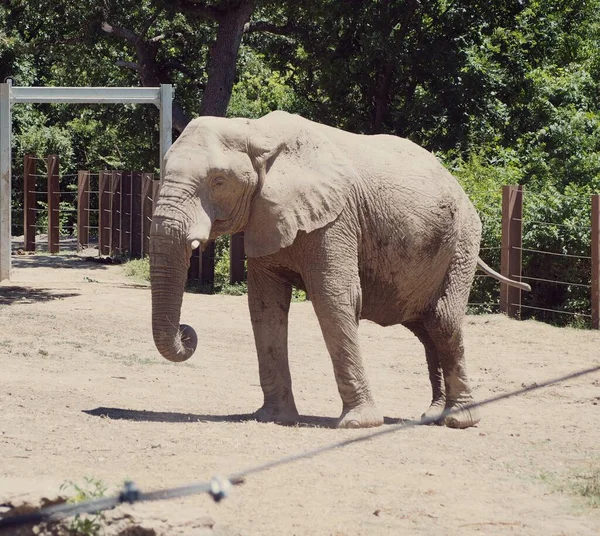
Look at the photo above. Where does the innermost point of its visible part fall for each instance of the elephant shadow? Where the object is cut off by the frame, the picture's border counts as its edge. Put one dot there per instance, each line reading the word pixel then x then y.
pixel 311 421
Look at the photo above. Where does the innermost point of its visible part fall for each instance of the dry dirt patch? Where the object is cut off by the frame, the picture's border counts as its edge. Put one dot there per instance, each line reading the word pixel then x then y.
pixel 83 392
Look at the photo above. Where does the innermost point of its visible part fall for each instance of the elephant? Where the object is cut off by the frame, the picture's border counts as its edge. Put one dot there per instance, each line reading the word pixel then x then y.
pixel 371 226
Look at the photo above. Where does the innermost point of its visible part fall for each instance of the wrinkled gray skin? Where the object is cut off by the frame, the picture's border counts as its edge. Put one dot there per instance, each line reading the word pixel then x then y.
pixel 371 226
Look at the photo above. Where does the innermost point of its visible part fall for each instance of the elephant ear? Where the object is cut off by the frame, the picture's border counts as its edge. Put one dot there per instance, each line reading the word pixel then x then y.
pixel 304 181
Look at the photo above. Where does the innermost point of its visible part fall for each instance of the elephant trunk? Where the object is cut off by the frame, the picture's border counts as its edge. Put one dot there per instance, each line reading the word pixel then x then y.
pixel 169 261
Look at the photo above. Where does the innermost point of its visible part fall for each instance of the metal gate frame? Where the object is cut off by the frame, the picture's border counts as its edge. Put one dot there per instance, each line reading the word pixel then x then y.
pixel 161 97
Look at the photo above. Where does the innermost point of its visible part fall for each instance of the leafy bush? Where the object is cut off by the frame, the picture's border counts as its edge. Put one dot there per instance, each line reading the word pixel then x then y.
pixel 483 184
pixel 555 220
pixel 559 223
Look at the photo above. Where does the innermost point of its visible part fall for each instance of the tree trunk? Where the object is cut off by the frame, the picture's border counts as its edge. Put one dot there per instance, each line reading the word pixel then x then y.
pixel 381 98
pixel 150 71
pixel 223 59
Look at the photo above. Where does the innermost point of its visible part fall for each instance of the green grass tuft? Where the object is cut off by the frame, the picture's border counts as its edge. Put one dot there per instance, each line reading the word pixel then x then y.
pixel 587 484
pixel 138 269
pixel 86 524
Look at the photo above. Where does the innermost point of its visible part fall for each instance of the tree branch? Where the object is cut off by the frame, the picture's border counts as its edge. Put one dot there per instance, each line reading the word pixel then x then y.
pixel 200 9
pixel 128 65
pixel 150 22
pixel 174 65
pixel 264 26
pixel 123 33
pixel 151 72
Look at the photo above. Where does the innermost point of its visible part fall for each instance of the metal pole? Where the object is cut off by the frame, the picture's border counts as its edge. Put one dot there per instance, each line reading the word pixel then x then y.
pixel 136 214
pixel 511 255
pixel 166 124
pixel 83 210
pixel 596 262
pixel 147 201
pixel 29 202
pixel 53 204
pixel 104 212
pixel 126 213
pixel 86 95
pixel 5 182
pixel 116 236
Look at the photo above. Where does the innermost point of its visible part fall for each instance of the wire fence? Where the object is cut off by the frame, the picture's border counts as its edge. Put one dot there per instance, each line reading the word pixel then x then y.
pixel 554 252
pixel 219 487
pixel 554 257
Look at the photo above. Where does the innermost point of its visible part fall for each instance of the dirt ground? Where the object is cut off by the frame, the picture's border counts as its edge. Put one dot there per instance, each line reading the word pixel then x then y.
pixel 84 393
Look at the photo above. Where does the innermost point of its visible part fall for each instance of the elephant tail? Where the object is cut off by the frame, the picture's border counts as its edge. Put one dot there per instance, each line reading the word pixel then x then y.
pixel 500 277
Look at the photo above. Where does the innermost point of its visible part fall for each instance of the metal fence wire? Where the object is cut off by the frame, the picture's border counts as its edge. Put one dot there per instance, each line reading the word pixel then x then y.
pixel 219 487
pixel 562 271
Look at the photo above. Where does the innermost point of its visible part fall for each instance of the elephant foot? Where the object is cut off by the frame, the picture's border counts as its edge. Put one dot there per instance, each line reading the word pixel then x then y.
pixel 462 418
pixel 363 416
pixel 278 414
pixel 435 411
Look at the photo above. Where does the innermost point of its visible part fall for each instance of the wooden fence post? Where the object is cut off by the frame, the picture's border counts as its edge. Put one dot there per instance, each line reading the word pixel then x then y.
pixel 29 202
pixel 104 212
pixel 208 264
pixel 125 213
pixel 83 209
pixel 136 214
pixel 195 268
pixel 53 204
pixel 202 265
pixel 116 214
pixel 237 257
pixel 511 255
pixel 596 262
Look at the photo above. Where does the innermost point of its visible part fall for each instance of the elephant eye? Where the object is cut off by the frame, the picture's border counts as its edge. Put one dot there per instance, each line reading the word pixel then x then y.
pixel 217 182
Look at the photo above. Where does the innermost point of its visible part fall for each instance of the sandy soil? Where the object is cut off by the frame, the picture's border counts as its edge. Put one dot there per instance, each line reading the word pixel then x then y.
pixel 84 393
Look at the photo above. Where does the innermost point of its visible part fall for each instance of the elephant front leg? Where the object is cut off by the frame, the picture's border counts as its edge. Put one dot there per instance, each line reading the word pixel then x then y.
pixel 269 299
pixel 337 304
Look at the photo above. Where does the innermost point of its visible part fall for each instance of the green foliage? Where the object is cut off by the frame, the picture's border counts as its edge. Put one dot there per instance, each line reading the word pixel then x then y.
pixel 554 220
pixel 86 524
pixel 222 261
pixel 505 92
pixel 483 183
pixel 138 269
pixel 558 223
pixel 222 274
pixel 259 89
pixel 298 295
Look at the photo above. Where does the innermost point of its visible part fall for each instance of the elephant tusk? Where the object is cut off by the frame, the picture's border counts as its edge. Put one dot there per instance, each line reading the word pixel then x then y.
pixel 195 244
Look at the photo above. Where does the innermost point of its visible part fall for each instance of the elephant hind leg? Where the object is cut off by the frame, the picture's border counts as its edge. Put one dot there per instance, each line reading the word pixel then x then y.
pixel 450 356
pixel 444 330
pixel 436 376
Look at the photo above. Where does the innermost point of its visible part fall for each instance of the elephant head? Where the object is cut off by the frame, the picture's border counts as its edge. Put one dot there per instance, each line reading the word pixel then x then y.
pixel 270 177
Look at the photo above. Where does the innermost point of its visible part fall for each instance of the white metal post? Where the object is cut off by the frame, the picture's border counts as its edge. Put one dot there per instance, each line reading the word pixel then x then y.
pixel 5 182
pixel 166 124
pixel 161 97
